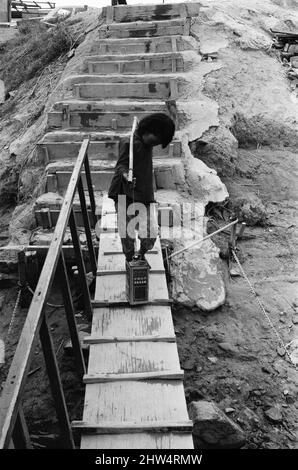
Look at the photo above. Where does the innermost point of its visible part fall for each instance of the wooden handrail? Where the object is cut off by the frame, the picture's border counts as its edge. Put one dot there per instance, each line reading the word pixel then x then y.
pixel 35 324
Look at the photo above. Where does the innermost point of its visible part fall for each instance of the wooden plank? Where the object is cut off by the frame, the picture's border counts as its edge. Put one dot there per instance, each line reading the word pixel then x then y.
pixel 140 45
pixel 137 358
pixel 101 179
pixel 143 441
pixel 129 428
pixel 158 65
pixel 113 288
pixel 111 244
pixel 135 401
pixel 154 12
pixel 116 58
pixel 125 303
pixel 147 12
pixel 106 272
pixel 16 379
pixel 137 322
pixel 110 263
pixel 104 339
pixel 50 151
pixel 97 120
pixel 54 214
pixel 145 376
pixel 122 90
pixel 148 29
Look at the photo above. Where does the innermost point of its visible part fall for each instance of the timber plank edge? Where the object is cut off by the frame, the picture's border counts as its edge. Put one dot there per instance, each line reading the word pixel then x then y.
pixel 131 339
pixel 132 427
pixel 156 375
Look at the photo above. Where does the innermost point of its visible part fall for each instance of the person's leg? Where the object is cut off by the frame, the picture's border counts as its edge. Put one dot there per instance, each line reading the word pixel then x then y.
pixel 122 221
pixel 147 242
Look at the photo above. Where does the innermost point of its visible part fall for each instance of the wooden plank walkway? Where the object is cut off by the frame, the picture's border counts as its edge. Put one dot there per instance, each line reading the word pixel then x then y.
pixel 134 385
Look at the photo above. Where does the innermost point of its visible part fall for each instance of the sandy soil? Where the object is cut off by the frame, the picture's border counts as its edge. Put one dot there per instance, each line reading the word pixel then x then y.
pixel 248 373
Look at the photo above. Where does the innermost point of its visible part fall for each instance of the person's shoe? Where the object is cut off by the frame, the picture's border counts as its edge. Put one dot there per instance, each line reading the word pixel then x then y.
pixel 129 257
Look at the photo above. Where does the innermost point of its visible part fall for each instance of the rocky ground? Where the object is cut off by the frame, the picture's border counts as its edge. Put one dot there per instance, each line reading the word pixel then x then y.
pixel 231 356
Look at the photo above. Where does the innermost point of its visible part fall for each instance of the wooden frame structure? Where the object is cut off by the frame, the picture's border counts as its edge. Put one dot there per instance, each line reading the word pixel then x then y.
pixel 12 421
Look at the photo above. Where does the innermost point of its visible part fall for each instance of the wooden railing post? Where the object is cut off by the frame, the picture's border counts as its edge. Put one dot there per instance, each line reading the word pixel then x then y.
pixel 70 316
pixel 90 188
pixel 81 265
pixel 87 226
pixel 20 435
pixel 56 385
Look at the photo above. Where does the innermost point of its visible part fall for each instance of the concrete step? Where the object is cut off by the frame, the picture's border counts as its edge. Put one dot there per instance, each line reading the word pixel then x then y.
pixel 159 12
pixel 168 174
pixel 125 88
pixel 140 29
pixel 47 208
pixel 134 64
pixel 65 145
pixel 104 115
pixel 145 45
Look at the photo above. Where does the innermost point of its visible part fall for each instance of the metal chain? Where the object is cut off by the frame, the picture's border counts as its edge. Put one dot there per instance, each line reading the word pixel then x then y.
pixel 14 313
pixel 262 307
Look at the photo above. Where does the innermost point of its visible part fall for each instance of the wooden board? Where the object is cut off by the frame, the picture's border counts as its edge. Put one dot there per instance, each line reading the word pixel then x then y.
pixel 134 427
pixel 106 150
pixel 138 441
pixel 149 45
pixel 117 263
pixel 135 401
pixel 148 29
pixel 139 321
pixel 123 90
pixel 113 288
pixel 141 66
pixel 154 12
pixel 135 381
pixel 99 120
pixel 132 357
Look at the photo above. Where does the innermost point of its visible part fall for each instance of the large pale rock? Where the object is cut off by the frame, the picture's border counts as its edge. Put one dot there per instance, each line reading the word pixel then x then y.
pixel 212 428
pixel 203 182
pixel 196 277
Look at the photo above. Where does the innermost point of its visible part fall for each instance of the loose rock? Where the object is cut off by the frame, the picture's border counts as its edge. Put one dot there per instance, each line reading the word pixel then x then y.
pixel 280 351
pixel 274 414
pixel 213 360
pixel 213 429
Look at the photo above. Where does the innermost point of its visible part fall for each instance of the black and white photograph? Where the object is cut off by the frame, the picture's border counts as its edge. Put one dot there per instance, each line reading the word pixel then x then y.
pixel 148 231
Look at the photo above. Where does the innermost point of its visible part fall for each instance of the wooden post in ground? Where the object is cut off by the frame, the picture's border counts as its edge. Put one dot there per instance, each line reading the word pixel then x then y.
pixel 56 385
pixel 20 435
pixel 70 316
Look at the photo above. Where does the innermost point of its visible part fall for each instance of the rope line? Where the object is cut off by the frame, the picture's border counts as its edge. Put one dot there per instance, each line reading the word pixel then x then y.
pixel 263 308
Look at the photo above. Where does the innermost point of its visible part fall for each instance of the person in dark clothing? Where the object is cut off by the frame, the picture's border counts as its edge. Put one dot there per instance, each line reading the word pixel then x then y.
pixel 155 129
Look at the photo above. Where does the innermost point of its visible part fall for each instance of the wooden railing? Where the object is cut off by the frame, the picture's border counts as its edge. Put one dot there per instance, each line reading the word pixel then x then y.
pixel 12 421
pixel 29 4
